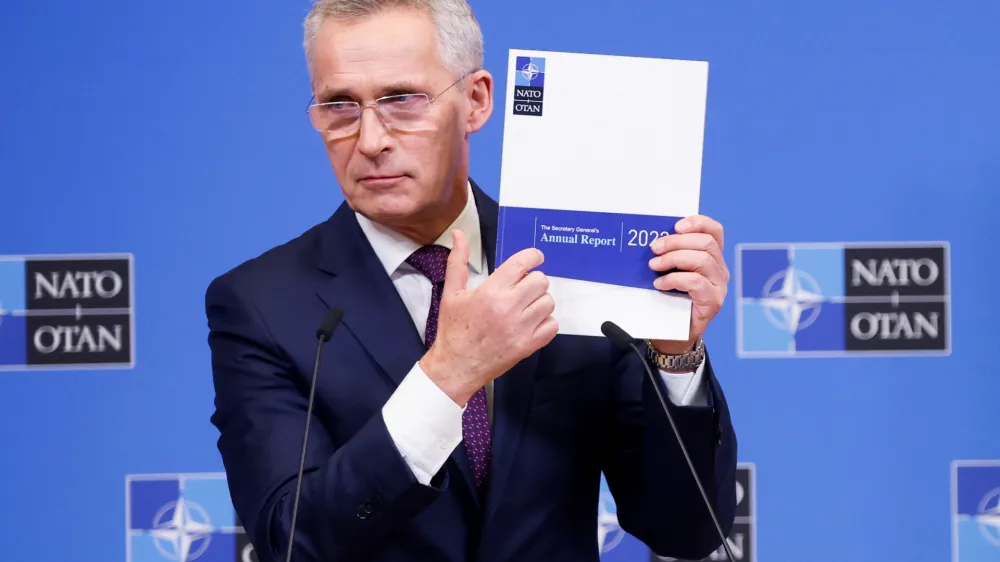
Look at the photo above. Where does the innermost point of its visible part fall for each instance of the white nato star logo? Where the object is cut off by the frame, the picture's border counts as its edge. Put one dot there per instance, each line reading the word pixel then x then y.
pixel 182 530
pixel 529 71
pixel 791 300
pixel 989 517
pixel 609 532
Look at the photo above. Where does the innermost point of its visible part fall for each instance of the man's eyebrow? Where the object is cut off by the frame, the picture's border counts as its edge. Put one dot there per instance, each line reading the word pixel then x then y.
pixel 340 94
pixel 401 86
pixel 326 95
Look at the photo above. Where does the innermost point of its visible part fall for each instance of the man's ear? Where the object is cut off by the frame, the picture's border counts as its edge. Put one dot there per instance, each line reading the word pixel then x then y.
pixel 480 95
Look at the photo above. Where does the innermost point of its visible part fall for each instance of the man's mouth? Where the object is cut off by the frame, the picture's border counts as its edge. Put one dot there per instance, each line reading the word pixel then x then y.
pixel 380 180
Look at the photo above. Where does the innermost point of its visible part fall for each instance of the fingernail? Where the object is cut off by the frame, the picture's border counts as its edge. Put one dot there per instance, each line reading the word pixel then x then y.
pixel 652 263
pixel 682 225
pixel 658 245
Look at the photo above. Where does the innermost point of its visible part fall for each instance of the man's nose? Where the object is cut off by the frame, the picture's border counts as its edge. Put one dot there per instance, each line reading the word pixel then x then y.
pixel 372 136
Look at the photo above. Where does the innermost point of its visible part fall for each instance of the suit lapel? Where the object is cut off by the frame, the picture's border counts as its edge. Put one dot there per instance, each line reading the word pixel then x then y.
pixel 373 309
pixel 512 390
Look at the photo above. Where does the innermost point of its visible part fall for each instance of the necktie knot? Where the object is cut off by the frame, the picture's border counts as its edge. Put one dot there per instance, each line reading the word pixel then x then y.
pixel 432 261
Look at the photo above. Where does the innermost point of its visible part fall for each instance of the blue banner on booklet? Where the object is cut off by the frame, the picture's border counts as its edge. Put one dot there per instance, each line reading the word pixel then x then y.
pixel 592 246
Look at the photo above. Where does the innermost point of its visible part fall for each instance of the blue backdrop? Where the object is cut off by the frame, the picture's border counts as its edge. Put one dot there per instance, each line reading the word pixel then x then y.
pixel 176 132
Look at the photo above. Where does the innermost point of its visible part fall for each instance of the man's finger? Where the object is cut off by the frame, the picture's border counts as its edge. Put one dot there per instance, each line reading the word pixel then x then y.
pixel 530 288
pixel 456 274
pixel 699 288
pixel 692 241
pixel 701 223
pixel 517 266
pixel 546 332
pixel 541 308
pixel 696 261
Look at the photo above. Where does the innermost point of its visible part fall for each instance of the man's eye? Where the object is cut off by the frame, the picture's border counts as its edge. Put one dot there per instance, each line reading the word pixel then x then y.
pixel 404 99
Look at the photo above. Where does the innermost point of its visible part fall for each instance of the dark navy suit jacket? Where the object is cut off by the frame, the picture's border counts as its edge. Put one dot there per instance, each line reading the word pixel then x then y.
pixel 562 416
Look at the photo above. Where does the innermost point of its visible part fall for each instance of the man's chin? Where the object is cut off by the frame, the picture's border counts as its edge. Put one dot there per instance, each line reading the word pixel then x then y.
pixel 389 210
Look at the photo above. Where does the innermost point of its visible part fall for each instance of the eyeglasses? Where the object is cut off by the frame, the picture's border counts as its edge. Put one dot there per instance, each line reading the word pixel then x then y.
pixel 402 112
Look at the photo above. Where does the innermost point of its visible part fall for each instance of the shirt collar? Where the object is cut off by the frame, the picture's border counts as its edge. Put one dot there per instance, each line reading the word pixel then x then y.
pixel 392 248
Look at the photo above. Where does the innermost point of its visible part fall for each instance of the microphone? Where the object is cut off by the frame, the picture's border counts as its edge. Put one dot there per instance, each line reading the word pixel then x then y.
pixel 622 340
pixel 323 335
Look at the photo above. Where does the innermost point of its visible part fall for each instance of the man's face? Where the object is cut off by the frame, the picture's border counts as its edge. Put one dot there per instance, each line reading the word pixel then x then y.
pixel 397 178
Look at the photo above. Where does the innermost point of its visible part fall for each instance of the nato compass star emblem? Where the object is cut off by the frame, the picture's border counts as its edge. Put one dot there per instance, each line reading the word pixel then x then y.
pixel 609 533
pixel 988 518
pixel 530 71
pixel 182 530
pixel 792 299
pixel 186 517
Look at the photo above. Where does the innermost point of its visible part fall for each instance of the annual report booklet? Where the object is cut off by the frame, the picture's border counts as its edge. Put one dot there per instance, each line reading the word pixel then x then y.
pixel 601 155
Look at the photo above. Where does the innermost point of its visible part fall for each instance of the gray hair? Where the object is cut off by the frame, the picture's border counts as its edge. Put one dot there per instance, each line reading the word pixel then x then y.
pixel 460 40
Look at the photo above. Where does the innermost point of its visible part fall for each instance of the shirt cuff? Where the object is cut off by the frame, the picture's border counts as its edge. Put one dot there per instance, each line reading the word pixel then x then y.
pixel 425 424
pixel 686 389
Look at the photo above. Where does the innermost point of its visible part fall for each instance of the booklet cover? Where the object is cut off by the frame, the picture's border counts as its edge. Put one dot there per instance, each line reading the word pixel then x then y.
pixel 601 155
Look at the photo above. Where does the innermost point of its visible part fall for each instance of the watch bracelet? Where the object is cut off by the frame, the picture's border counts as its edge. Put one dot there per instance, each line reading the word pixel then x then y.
pixel 688 360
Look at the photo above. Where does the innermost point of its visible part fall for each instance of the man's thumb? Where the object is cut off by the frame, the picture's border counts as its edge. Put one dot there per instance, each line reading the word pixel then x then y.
pixel 456 275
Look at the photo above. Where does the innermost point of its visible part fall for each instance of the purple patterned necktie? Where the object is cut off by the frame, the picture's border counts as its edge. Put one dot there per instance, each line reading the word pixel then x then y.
pixel 432 261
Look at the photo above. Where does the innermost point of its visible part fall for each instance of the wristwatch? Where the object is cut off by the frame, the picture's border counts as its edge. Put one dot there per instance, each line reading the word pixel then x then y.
pixel 687 361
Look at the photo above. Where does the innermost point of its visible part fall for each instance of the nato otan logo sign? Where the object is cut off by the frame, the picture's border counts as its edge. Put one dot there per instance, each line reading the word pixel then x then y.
pixel 529 85
pixel 182 518
pixel 66 312
pixel 742 538
pixel 843 299
pixel 975 511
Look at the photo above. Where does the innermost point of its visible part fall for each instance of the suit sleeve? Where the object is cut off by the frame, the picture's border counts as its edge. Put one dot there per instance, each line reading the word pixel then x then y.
pixel 658 501
pixel 353 495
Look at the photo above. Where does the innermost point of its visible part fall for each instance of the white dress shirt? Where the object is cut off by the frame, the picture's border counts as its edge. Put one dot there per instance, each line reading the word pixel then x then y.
pixel 425 423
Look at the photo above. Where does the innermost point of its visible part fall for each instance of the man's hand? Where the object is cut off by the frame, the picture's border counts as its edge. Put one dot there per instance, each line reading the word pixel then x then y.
pixel 696 250
pixel 484 332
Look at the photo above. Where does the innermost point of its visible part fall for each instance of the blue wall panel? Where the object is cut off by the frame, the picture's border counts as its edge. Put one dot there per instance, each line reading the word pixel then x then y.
pixel 175 133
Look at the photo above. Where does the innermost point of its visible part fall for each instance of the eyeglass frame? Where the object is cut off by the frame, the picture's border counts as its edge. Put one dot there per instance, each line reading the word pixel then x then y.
pixel 375 105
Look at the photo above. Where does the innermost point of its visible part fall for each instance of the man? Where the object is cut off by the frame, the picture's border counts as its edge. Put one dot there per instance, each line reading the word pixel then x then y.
pixel 451 422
